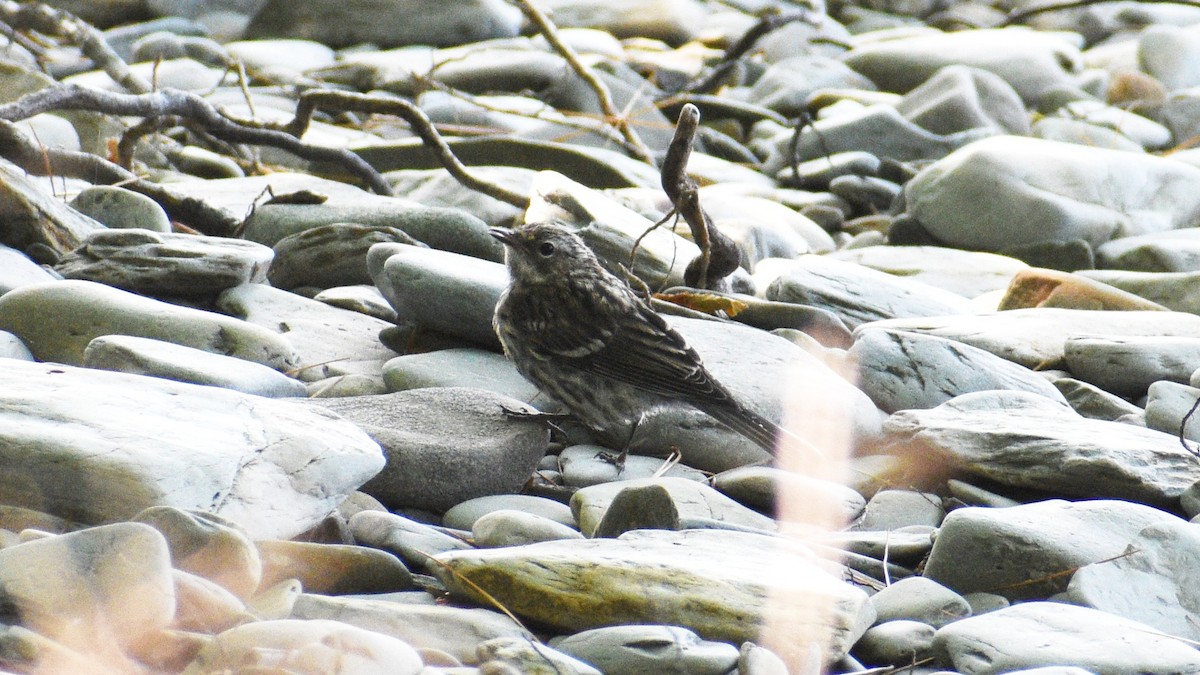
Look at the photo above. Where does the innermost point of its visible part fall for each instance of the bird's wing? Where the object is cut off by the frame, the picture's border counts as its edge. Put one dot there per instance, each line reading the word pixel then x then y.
pixel 646 352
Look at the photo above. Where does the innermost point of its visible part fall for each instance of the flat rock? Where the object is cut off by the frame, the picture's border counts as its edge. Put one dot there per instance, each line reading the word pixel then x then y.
pixel 1127 366
pixel 444 445
pixel 165 264
pixel 1007 189
pixel 34 219
pixel 464 367
pixel 156 358
pixel 649 648
pixel 1176 291
pixel 859 294
pixel 314 647
pixel 328 340
pixel 1024 440
pixel 58 319
pixel 966 273
pixel 154 442
pixel 329 255
pixel 668 577
pixel 691 499
pixel 901 370
pixel 1151 584
pixel 1037 634
pixel 1037 337
pixel 1019 552
pixel 451 630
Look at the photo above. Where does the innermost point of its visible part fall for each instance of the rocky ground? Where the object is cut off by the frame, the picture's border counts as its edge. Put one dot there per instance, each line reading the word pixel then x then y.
pixel 253 413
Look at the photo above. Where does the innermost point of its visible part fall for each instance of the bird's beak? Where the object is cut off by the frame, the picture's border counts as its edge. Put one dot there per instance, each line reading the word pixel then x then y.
pixel 503 234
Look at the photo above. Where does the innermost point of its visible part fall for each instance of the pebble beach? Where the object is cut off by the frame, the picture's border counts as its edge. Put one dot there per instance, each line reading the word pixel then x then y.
pixel 254 417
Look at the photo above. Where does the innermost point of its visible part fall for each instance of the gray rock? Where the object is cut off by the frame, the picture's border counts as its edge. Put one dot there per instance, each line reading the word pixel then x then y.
pixel 459 368
pixel 868 194
pixel 444 445
pixel 329 255
pixel 859 294
pixel 448 292
pixel 762 487
pixel 450 630
pixel 437 188
pixel 1020 551
pixel 364 299
pixel 1168 54
pixel 691 499
pixel 674 22
pixel 33 218
pixel 1037 337
pixel 877 129
pixel 328 341
pixel 120 208
pixel 901 370
pixel 581 584
pixel 517 528
pixel 966 273
pixel 156 358
pixel 464 515
pixel 647 506
pixel 958 97
pixel 409 540
pixel 16 270
pixel 11 347
pixel 1176 291
pixel 1025 440
pixel 274 467
pixel 786 85
pixel 525 655
pixel 1145 132
pixel 1033 63
pixel 165 264
pixel 584 465
pixel 897 642
pixel 894 509
pixel 448 229
pixel 1152 584
pixel 1007 189
pixel 1169 251
pixel 57 320
pixel 629 650
pixel 1079 132
pixel 346 23
pixel 1166 405
pixel 1127 366
pixel 920 599
pixel 1034 634
pixel 1091 401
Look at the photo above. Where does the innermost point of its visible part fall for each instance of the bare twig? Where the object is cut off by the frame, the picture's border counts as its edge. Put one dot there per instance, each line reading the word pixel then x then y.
pixel 188 105
pixel 1183 426
pixel 765 26
pixel 311 100
pixel 51 21
pixel 21 150
pixel 547 29
pixel 718 254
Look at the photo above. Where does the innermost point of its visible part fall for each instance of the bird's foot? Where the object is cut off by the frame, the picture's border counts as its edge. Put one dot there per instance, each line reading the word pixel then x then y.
pixel 530 414
pixel 616 459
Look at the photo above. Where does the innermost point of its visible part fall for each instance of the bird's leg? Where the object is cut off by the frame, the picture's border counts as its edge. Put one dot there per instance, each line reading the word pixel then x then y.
pixel 618 460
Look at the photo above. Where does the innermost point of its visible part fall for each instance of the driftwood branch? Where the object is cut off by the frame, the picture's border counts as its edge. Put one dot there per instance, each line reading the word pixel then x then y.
pixel 719 255
pixel 50 21
pixel 17 147
pixel 547 29
pixel 173 102
pixel 316 99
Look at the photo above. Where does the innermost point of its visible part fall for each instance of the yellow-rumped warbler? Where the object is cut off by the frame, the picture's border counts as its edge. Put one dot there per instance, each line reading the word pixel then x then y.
pixel 585 338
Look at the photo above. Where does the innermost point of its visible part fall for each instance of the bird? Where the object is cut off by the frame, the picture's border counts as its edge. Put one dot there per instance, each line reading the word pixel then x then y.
pixel 584 337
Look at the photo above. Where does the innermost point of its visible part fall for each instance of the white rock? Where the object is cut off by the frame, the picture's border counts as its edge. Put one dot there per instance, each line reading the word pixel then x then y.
pixel 96 446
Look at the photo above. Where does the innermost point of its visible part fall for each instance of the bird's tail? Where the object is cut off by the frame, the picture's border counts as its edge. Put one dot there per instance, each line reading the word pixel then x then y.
pixel 765 433
pixel 748 423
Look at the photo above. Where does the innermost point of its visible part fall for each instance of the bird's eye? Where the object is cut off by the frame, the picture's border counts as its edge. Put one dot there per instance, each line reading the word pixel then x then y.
pixel 546 249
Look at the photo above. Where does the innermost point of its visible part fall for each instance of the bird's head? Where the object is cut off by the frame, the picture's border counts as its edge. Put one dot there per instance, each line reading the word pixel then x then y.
pixel 544 253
